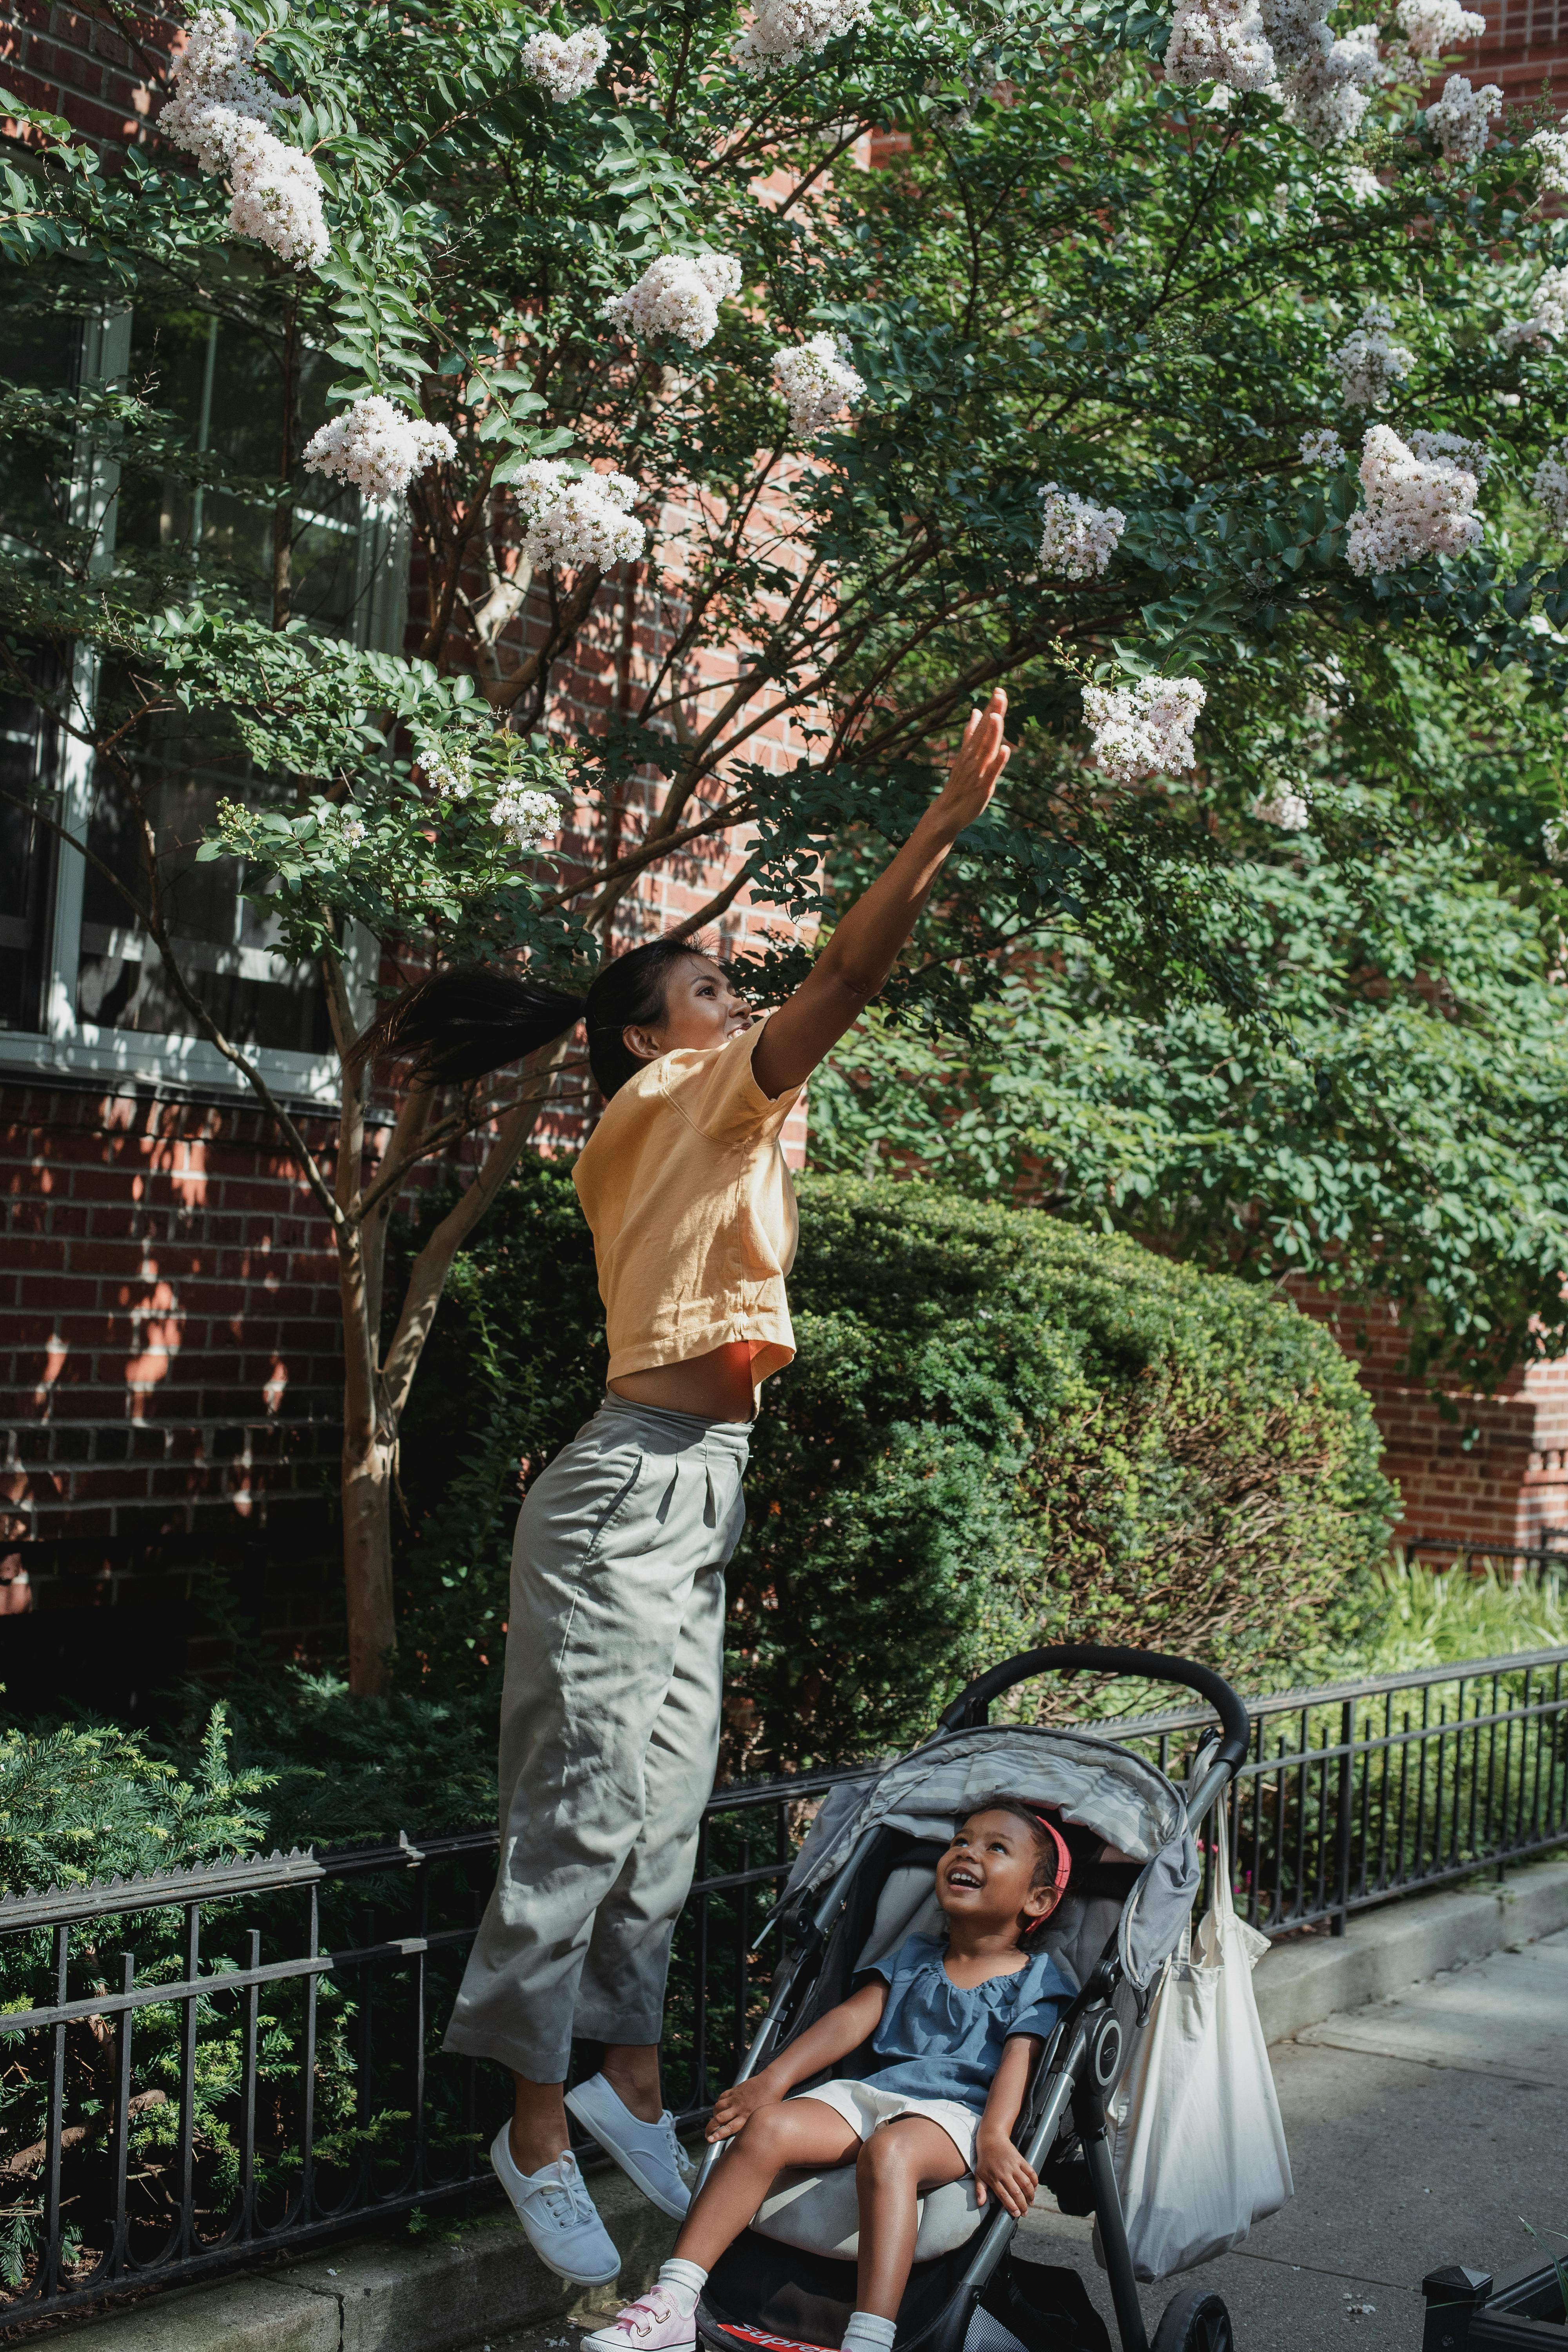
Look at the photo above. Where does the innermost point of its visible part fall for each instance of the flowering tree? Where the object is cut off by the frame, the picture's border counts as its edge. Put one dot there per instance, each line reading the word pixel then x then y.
pixel 1097 376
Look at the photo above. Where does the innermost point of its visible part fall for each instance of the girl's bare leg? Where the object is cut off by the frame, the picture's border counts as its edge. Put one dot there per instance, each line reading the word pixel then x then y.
pixel 804 2131
pixel 899 2164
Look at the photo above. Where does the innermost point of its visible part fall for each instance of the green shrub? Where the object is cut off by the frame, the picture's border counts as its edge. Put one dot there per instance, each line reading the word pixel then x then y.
pixel 998 1430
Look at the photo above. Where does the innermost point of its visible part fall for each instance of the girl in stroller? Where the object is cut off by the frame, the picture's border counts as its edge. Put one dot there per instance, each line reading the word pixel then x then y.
pixel 955 2027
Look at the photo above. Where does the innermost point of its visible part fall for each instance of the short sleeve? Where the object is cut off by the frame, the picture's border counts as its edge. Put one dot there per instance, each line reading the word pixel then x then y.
pixel 901 1961
pixel 718 1094
pixel 1042 2002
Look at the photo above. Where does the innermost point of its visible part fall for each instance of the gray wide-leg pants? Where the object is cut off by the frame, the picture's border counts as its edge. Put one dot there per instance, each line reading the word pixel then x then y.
pixel 609 1733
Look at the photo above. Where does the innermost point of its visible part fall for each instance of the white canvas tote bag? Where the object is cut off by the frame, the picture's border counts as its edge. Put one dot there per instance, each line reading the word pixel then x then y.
pixel 1199 2148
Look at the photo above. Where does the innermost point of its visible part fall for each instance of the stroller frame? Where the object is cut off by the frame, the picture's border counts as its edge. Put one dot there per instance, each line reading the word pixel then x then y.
pixel 1076 2071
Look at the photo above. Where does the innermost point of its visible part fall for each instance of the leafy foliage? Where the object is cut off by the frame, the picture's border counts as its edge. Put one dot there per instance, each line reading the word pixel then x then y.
pixel 997 1429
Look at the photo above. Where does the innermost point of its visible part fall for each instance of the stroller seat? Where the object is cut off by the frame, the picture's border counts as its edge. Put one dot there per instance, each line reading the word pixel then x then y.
pixel 817 2211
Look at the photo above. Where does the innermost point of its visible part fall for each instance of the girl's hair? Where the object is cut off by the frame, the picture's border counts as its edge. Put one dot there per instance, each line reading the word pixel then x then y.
pixel 1053 1862
pixel 464 1023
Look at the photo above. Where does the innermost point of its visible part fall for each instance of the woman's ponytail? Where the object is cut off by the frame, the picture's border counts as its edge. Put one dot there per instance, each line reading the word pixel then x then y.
pixel 464 1024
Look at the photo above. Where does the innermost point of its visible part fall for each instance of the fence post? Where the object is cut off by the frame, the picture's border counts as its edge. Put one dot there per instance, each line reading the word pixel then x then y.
pixel 1344 1819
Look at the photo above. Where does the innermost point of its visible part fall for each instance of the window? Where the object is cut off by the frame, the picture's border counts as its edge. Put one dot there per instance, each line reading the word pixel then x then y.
pixel 81 984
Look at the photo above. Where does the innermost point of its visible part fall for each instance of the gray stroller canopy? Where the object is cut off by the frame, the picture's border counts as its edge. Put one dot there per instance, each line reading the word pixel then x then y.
pixel 1107 1788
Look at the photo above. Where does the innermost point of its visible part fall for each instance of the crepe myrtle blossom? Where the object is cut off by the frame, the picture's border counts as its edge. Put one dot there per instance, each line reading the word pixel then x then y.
pixel 1362 186
pixel 1453 449
pixel 1322 449
pixel 1323 81
pixel 678 294
pixel 1554 841
pixel 222 112
pixel 1432 27
pixel 817 380
pixel 1462 118
pixel 1548 320
pixel 1220 41
pixel 1145 730
pixel 449 772
pixel 378 446
pixel 1549 488
pixel 1369 363
pixel 1552 146
pixel 575 521
pixel 1079 539
pixel 1416 504
pixel 352 829
pixel 527 815
pixel 780 32
pixel 565 68
pixel 1289 810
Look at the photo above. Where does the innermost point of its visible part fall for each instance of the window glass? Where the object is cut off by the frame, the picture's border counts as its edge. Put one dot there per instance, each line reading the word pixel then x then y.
pixel 225 385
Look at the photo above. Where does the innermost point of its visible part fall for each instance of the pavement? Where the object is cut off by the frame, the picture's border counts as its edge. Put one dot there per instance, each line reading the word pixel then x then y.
pixel 1424 2129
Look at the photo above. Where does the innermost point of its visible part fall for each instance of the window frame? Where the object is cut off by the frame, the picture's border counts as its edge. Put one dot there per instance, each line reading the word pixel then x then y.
pixel 65 1045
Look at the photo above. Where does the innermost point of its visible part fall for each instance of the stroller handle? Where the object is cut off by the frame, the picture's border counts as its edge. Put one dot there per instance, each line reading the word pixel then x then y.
pixel 972 1706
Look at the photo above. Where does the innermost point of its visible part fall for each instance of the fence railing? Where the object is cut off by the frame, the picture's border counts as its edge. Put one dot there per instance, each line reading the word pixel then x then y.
pixel 205 2067
pixel 1546 1561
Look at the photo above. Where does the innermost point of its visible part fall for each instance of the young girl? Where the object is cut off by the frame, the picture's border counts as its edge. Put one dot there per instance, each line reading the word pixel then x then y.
pixel 610 1708
pixel 956 2027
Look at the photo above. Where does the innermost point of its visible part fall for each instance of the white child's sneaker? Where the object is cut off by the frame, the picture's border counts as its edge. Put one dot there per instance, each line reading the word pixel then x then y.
pixel 650 2153
pixel 654 2323
pixel 560 2219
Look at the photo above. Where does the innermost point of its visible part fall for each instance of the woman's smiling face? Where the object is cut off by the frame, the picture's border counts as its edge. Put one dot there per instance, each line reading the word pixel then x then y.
pixel 985 1877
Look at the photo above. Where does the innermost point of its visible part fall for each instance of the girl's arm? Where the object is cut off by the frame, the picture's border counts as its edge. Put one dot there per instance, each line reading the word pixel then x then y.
pixel 854 966
pixel 1000 2168
pixel 834 2036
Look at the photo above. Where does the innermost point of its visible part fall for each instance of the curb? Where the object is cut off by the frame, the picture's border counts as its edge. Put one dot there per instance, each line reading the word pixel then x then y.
pixel 479 2279
pixel 1308 1978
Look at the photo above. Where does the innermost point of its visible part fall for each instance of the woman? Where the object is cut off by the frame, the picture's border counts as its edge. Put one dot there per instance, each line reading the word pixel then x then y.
pixel 610 1710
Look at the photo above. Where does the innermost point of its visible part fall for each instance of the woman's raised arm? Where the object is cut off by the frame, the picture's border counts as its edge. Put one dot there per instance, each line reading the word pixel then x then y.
pixel 854 966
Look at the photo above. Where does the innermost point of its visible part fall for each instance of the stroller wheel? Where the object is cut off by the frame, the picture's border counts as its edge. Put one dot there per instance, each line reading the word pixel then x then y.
pixel 1196 2321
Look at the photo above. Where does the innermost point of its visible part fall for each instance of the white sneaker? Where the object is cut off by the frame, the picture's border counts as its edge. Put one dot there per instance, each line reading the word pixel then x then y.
pixel 650 2153
pixel 560 2219
pixel 654 2323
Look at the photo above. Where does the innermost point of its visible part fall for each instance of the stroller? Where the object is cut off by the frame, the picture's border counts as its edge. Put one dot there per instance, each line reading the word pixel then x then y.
pixel 862 1882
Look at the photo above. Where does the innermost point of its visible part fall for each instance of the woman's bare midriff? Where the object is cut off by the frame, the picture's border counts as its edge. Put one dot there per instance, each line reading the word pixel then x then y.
pixel 718 1385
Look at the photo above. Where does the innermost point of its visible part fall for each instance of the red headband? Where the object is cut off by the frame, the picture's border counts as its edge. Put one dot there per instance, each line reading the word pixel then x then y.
pixel 1064 1859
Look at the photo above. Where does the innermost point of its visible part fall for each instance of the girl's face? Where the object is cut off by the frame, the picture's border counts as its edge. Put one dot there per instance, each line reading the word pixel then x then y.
pixel 984 1875
pixel 700 1009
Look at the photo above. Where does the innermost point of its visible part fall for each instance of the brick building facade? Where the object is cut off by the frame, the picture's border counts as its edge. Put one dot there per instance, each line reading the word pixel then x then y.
pixel 169 1399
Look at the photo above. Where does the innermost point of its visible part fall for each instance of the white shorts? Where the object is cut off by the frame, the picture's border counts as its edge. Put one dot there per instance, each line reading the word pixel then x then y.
pixel 865 2109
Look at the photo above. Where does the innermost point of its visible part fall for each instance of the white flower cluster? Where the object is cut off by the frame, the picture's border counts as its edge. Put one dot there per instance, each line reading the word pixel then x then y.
pixel 678 294
pixel 450 772
pixel 1552 146
pixel 1079 538
pixel 1462 118
pixel 575 521
pixel 1434 28
pixel 221 113
pixel 1221 41
pixel 565 70
pixel 1453 449
pixel 781 32
pixel 1554 841
pixel 352 829
pixel 1323 81
pixel 1369 364
pixel 529 815
pixel 1145 730
pixel 378 446
pixel 1416 504
pixel 1361 185
pixel 816 380
pixel 1289 810
pixel 1549 487
pixel 1322 449
pixel 1548 320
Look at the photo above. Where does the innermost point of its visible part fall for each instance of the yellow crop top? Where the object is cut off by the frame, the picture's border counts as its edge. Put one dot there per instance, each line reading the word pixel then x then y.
pixel 688 1198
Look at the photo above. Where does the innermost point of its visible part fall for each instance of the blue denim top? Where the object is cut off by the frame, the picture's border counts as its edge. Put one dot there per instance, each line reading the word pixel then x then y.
pixel 945 2040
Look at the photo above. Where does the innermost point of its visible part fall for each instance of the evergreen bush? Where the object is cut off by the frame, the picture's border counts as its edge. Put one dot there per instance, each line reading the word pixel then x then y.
pixel 999 1430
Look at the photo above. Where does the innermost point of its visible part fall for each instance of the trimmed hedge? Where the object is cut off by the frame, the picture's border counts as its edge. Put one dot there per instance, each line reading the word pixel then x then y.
pixel 999 1429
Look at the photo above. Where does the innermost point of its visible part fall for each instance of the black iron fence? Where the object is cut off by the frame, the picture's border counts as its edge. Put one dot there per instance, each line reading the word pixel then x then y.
pixel 201 2068
pixel 1546 1562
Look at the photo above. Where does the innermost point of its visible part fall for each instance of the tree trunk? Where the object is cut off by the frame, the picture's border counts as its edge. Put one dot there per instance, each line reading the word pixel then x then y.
pixel 367 1562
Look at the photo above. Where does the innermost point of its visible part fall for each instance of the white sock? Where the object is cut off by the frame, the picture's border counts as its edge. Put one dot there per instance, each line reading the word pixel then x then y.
pixel 869 2333
pixel 683 2282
